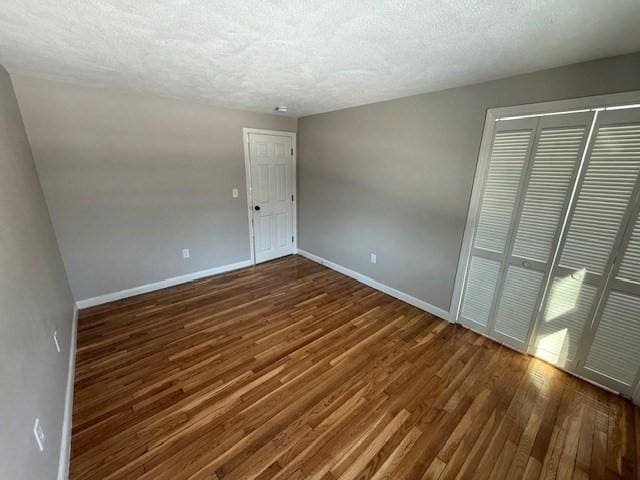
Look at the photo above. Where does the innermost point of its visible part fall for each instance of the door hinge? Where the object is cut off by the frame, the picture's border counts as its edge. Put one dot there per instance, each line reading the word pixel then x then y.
pixel 292 152
pixel 292 239
pixel 292 198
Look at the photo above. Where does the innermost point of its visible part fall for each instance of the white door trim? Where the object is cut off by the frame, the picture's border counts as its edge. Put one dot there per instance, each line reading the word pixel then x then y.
pixel 294 181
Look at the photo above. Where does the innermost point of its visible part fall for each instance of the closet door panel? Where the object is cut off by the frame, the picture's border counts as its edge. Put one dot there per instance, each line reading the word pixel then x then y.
pixel 615 352
pixel 508 157
pixel 603 198
pixel 551 174
pixel 569 304
pixel 593 234
pixel 554 166
pixel 612 355
pixel 503 179
pixel 481 286
pixel 518 302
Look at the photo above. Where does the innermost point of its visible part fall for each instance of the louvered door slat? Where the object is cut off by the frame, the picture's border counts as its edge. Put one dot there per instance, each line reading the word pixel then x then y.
pixel 508 156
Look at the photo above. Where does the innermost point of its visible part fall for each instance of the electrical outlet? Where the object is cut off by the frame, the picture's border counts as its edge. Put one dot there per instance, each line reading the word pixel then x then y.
pixel 56 341
pixel 234 192
pixel 374 258
pixel 39 434
pixel 185 253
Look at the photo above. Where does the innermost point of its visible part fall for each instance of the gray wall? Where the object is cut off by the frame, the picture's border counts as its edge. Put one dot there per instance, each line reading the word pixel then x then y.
pixel 395 178
pixel 132 179
pixel 35 300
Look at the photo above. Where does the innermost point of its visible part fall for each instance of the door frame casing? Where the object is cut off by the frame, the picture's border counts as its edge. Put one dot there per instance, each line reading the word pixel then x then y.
pixel 294 180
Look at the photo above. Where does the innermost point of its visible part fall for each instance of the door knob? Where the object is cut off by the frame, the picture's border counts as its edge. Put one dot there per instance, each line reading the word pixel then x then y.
pixel 257 207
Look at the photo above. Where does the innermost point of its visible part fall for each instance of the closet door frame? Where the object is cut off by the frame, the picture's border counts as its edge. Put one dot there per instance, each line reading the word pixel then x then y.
pixel 493 116
pixel 482 166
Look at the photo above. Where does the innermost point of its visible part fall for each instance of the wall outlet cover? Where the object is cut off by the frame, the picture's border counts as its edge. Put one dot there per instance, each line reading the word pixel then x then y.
pixel 374 258
pixel 185 253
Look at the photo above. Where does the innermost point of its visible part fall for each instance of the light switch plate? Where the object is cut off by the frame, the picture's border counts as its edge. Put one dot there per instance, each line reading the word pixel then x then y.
pixel 374 258
pixel 234 192
pixel 185 253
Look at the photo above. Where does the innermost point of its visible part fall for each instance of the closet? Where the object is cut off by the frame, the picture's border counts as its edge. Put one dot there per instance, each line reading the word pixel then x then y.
pixel 553 264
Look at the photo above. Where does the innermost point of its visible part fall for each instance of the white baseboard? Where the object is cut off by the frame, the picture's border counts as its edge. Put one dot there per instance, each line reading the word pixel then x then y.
pixel 65 439
pixel 169 282
pixel 405 297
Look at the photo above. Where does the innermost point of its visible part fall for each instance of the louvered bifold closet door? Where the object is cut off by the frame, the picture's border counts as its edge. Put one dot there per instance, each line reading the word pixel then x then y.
pixel 593 233
pixel 524 202
pixel 612 343
pixel 501 190
pixel 557 153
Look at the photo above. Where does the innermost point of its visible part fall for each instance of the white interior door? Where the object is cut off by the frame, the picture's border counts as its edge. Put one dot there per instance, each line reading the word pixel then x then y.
pixel 271 173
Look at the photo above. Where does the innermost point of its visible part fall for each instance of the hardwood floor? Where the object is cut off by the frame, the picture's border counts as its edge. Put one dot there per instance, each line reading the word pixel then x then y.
pixel 289 370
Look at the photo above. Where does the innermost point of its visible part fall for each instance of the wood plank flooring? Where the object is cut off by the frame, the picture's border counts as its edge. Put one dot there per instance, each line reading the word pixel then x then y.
pixel 289 370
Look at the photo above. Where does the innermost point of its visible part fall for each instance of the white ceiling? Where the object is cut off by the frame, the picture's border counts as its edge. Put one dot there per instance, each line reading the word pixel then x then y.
pixel 313 56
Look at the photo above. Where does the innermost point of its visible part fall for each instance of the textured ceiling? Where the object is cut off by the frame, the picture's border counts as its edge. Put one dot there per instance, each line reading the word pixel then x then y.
pixel 313 56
